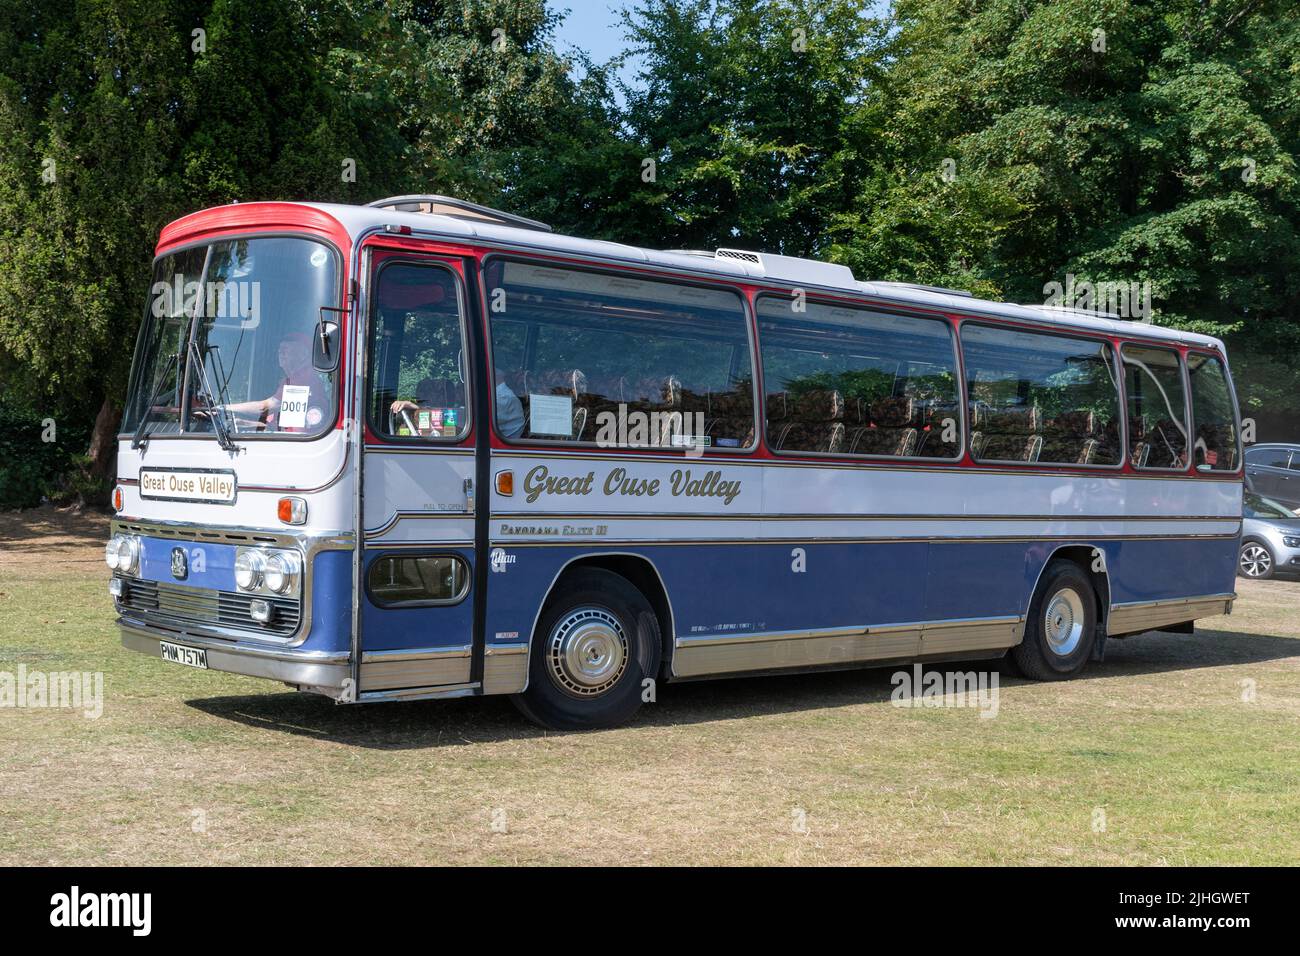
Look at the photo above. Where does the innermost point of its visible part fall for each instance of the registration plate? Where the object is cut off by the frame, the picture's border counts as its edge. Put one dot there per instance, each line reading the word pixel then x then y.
pixel 180 654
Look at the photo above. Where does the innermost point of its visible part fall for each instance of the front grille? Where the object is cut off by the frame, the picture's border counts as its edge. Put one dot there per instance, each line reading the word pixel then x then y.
pixel 172 604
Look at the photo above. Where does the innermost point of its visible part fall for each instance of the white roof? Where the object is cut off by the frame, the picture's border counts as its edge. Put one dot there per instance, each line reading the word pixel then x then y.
pixel 786 271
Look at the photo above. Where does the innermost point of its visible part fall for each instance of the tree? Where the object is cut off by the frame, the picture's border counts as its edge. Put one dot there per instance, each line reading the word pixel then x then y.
pixel 117 116
pixel 1106 139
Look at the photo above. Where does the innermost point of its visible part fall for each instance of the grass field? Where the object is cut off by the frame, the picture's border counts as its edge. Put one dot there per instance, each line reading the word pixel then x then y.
pixel 1164 743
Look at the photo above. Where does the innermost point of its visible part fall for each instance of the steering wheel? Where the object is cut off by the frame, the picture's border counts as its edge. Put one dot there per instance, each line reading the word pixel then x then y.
pixel 405 416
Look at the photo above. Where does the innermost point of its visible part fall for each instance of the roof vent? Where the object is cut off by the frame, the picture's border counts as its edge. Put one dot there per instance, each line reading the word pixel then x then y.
pixel 436 205
pixel 792 269
pixel 751 257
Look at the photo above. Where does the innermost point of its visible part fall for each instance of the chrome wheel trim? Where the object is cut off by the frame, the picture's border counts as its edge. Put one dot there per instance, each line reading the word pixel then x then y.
pixel 587 651
pixel 1063 621
pixel 1255 561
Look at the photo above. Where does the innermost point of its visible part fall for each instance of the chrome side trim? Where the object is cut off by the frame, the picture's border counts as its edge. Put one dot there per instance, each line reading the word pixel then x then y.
pixel 1138 616
pixel 321 672
pixel 505 668
pixel 418 667
pixel 773 650
pixel 419 693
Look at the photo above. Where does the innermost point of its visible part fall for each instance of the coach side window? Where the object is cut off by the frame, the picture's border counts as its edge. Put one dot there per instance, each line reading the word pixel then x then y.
pixel 1037 397
pixel 618 360
pixel 851 381
pixel 1215 441
pixel 1157 409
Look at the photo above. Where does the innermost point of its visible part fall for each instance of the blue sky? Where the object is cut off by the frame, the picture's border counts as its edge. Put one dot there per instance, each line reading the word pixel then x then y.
pixel 592 25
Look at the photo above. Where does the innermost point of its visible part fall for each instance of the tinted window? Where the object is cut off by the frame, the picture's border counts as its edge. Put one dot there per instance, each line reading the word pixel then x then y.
pixel 417 369
pixel 1157 409
pixel 1215 439
pixel 856 382
pixel 1253 506
pixel 1040 398
pixel 1268 457
pixel 618 360
pixel 418 579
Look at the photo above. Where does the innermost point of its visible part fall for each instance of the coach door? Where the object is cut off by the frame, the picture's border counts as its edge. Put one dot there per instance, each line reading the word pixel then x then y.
pixel 419 479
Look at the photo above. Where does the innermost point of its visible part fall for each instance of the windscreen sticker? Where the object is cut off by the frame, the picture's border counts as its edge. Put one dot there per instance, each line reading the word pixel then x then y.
pixel 318 257
pixel 293 406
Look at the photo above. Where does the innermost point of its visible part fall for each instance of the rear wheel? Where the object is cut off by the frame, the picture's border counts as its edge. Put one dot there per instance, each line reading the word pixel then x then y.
pixel 1256 561
pixel 1062 625
pixel 596 642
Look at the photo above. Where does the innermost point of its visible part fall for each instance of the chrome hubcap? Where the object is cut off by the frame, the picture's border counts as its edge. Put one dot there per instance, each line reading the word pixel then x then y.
pixel 1063 621
pixel 587 651
pixel 1255 561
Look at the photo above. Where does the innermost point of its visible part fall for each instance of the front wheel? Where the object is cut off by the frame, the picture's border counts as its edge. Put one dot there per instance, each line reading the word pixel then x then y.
pixel 596 643
pixel 1255 561
pixel 1062 625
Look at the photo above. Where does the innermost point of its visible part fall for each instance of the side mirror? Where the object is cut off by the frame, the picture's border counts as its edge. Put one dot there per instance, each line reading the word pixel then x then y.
pixel 325 342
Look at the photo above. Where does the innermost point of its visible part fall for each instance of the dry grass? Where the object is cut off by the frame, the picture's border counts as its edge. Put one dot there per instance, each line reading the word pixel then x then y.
pixel 1158 736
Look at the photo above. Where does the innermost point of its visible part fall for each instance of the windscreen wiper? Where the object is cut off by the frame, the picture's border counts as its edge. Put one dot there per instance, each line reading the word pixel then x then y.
pixel 140 438
pixel 216 411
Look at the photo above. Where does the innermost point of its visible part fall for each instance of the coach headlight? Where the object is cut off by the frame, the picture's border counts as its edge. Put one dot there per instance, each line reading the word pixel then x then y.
pixel 110 552
pixel 281 569
pixel 249 566
pixel 122 553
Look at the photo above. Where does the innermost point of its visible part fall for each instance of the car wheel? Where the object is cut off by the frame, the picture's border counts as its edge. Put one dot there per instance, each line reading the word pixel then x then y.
pixel 595 644
pixel 1256 561
pixel 1061 627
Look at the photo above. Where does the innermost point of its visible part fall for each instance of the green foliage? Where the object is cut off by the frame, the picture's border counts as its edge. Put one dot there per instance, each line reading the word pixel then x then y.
pixel 41 458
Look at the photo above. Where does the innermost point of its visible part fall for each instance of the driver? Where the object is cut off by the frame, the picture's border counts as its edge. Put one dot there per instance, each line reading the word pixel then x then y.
pixel 294 356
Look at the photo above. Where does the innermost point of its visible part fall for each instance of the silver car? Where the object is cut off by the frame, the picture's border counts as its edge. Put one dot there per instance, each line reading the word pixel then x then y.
pixel 1270 538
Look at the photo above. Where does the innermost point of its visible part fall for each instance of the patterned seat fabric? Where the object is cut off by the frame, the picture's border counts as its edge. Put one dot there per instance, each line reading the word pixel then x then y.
pixel 1166 445
pixel 1070 438
pixel 887 431
pixel 729 417
pixel 938 420
pixel 1006 434
pixel 812 421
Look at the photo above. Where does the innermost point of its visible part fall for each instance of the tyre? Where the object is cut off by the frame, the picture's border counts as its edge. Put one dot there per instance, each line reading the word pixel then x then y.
pixel 1062 625
pixel 596 641
pixel 1255 561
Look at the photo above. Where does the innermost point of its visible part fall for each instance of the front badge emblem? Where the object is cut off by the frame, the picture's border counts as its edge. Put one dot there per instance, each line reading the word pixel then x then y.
pixel 180 566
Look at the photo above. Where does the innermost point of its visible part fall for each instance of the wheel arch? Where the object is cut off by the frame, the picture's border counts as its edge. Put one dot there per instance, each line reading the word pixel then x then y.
pixel 1082 556
pixel 635 568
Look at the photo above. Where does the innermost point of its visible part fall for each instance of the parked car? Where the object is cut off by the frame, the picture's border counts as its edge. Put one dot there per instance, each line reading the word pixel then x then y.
pixel 1273 470
pixel 1270 538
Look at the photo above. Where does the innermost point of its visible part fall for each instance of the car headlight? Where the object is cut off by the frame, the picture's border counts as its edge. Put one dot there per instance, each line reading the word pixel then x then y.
pixel 280 571
pixel 249 566
pixel 110 552
pixel 1291 542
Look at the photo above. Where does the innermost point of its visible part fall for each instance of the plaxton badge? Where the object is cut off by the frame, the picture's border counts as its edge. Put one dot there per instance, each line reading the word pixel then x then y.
pixel 217 487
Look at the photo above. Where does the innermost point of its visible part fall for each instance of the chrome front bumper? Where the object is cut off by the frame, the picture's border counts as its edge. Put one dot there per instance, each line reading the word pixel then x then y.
pixel 318 672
